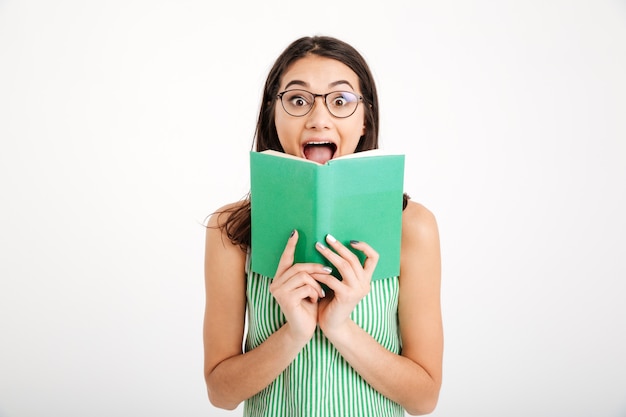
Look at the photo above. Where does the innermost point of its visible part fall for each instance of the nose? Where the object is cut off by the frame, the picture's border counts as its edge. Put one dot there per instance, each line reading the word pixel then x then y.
pixel 319 116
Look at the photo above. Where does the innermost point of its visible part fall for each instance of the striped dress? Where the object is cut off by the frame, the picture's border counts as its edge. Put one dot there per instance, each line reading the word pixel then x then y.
pixel 319 382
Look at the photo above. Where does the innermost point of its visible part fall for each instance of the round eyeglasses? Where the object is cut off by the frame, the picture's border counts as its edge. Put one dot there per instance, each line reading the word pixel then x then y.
pixel 299 103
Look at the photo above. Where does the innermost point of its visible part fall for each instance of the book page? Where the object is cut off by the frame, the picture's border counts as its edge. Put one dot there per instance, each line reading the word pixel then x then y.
pixel 363 154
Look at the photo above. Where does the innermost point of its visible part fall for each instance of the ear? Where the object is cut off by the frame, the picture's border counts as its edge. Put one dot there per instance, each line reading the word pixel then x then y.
pixel 365 123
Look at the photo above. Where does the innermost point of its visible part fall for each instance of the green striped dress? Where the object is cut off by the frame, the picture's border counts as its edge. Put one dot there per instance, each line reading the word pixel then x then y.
pixel 319 382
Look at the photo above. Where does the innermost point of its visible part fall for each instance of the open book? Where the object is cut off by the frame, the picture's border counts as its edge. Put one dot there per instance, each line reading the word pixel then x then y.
pixel 354 197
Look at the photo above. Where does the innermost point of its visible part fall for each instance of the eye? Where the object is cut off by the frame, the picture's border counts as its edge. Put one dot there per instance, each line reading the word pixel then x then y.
pixel 342 99
pixel 298 99
pixel 339 101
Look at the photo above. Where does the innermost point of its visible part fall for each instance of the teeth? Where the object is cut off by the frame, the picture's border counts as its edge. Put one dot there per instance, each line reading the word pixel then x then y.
pixel 319 143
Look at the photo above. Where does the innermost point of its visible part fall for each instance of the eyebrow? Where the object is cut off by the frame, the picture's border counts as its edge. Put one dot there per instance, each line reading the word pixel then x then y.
pixel 305 84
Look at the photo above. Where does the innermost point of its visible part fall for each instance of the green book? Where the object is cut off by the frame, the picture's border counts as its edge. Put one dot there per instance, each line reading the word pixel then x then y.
pixel 354 197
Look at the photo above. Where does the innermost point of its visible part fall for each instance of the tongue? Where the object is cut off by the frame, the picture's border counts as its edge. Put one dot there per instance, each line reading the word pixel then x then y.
pixel 318 153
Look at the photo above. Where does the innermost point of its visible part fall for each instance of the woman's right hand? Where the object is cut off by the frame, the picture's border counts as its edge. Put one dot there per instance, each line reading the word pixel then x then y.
pixel 297 292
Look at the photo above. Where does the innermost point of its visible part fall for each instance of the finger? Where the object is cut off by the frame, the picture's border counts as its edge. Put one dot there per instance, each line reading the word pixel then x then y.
pixel 371 256
pixel 308 292
pixel 287 257
pixel 346 261
pixel 344 252
pixel 330 281
pixel 303 278
pixel 345 267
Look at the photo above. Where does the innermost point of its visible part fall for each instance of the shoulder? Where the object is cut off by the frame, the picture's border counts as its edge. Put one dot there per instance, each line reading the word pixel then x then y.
pixel 420 240
pixel 419 224
pixel 219 217
pixel 221 248
pixel 231 224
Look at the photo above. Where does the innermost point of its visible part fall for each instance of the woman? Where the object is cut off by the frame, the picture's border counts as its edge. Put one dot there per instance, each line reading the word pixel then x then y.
pixel 308 351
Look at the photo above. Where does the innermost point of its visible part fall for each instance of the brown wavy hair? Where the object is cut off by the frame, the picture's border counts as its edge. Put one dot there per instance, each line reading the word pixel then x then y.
pixel 237 224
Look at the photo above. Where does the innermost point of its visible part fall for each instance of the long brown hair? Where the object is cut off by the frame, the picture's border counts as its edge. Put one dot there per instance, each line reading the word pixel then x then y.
pixel 237 224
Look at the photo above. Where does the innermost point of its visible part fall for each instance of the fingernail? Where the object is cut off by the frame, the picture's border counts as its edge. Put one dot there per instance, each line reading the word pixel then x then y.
pixel 354 242
pixel 331 238
pixel 327 269
pixel 320 246
pixel 293 232
pixel 323 293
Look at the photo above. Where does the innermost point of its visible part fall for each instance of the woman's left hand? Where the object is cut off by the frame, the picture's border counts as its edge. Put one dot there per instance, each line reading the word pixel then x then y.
pixel 335 309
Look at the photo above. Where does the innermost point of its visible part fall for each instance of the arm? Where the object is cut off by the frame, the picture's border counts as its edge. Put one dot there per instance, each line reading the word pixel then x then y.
pixel 413 379
pixel 232 376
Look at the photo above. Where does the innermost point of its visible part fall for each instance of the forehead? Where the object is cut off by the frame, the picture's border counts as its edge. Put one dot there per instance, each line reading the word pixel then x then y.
pixel 319 72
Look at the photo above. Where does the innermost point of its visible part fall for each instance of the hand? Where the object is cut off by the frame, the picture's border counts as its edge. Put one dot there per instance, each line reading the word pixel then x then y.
pixel 335 310
pixel 297 291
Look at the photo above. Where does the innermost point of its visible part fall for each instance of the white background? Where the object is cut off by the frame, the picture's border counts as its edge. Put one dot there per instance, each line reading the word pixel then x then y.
pixel 123 124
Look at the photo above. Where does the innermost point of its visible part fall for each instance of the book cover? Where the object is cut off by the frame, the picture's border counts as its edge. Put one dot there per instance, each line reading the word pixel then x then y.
pixel 354 197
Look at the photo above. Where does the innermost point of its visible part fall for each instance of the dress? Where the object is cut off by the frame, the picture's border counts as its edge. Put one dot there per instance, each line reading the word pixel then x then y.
pixel 319 382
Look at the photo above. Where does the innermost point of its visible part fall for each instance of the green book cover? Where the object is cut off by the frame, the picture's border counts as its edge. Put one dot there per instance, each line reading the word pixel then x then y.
pixel 354 197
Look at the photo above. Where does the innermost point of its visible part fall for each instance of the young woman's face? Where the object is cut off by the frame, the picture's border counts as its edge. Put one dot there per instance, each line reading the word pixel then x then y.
pixel 319 135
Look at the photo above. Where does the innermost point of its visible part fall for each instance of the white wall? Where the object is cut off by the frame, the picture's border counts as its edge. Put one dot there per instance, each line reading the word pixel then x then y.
pixel 124 123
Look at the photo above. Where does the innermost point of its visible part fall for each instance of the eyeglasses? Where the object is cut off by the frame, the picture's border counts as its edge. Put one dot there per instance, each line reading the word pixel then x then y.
pixel 299 103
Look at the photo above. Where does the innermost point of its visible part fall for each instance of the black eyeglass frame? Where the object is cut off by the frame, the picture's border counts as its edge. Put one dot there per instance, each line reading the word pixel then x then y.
pixel 280 95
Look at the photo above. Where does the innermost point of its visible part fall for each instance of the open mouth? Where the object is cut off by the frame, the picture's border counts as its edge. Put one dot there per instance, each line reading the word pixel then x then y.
pixel 320 152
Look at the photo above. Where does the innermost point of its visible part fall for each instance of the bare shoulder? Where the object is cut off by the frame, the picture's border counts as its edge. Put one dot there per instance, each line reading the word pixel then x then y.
pixel 419 224
pixel 224 259
pixel 219 231
pixel 219 216
pixel 420 258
